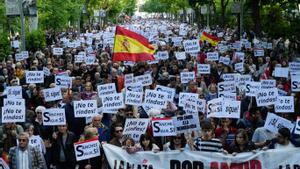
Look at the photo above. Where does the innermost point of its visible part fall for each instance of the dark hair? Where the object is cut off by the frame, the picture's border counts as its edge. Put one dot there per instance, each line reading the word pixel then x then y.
pixel 146 137
pixel 128 138
pixel 183 141
pixel 207 125
pixel 244 134
pixel 285 132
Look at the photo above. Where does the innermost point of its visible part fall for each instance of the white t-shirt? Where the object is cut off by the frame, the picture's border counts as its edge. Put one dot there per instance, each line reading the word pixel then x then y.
pixel 280 146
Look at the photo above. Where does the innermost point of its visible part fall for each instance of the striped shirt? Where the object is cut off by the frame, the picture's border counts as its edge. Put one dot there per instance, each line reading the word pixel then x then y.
pixel 213 145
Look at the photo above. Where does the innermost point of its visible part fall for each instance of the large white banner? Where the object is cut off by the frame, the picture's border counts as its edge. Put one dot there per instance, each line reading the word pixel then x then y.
pixel 270 159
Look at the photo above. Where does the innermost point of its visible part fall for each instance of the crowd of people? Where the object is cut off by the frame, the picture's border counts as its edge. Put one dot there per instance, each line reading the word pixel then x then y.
pixel 55 147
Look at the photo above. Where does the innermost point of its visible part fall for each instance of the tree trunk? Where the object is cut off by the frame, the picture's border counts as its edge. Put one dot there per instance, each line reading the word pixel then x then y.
pixel 256 16
pixel 224 4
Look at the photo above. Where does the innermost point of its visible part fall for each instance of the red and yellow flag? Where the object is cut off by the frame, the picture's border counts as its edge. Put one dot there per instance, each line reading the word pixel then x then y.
pixel 130 46
pixel 209 38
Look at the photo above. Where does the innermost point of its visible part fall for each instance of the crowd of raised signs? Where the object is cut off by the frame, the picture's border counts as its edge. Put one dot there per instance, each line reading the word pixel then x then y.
pixel 240 95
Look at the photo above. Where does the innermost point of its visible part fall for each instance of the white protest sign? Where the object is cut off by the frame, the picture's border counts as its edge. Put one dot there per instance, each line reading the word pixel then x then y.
pixel 113 101
pixel 13 110
pixel 259 52
pixel 294 66
pixel 191 46
pixel 106 89
pixel 224 60
pixel 212 56
pixel 228 95
pixel 87 149
pixel 190 106
pixel 231 77
pixel 14 92
pixel 268 84
pixel 34 77
pixel 177 41
pixel 231 109
pixel 214 107
pixel 239 67
pixel 58 51
pixel 19 57
pixel 79 58
pixel 135 87
pixel 297 126
pixel 13 102
pixel 145 79
pixel 25 54
pixel 36 141
pixel 162 55
pixel 240 55
pixel 180 55
pixel 134 98
pixel 46 71
pixel 52 94
pixel 274 123
pixel 266 97
pixel 186 123
pixel 252 87
pixel 226 86
pixel 128 79
pixel 85 108
pixel 135 127
pixel 295 83
pixel 54 117
pixel 243 79
pixel 281 92
pixel 163 127
pixel 201 105
pixel 170 91
pixel 90 59
pixel 183 96
pixel 63 81
pixel 281 72
pixel 284 104
pixel 156 99
pixel 203 68
pixel 185 77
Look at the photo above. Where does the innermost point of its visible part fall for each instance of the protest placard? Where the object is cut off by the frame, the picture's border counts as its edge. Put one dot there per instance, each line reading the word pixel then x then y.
pixel 177 41
pixel 162 55
pixel 212 56
pixel 134 98
pixel 222 48
pixel 128 79
pixel 52 94
pixel 90 59
pixel 87 149
pixel 274 123
pixel 190 106
pixel 145 79
pixel 228 95
pixel 203 68
pixel 85 108
pixel 58 51
pixel 284 104
pixel 231 109
pixel 239 67
pixel 180 55
pixel 237 45
pixel 19 57
pixel 170 91
pixel 240 55
pixel 79 58
pixel 259 52
pixel 183 96
pixel 14 92
pixel 113 101
pixel 231 77
pixel 297 126
pixel 268 84
pixel 294 66
pixel 281 72
pixel 106 89
pixel 63 81
pixel 295 82
pixel 34 77
pixel 201 105
pixel 224 60
pixel 163 127
pixel 135 87
pixel 36 141
pixel 156 99
pixel 252 87
pixel 281 92
pixel 134 128
pixel 186 123
pixel 185 77
pixel 54 117
pixel 46 71
pixel 266 97
pixel 243 79
pixel 13 102
pixel 13 114
pixel 226 86
pixel 214 107
pixel 191 46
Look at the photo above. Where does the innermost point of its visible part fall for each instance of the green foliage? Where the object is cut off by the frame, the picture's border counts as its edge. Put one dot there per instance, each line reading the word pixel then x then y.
pixel 4 46
pixel 160 6
pixel 35 40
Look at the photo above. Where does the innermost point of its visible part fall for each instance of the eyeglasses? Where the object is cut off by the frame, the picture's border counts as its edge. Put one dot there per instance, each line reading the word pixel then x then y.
pixel 179 138
pixel 119 131
pixel 22 140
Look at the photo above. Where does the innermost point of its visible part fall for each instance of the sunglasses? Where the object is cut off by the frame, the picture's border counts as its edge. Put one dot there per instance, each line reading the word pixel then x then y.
pixel 119 131
pixel 22 140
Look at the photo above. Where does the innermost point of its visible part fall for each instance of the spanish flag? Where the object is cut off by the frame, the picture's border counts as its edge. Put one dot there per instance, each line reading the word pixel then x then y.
pixel 130 46
pixel 209 38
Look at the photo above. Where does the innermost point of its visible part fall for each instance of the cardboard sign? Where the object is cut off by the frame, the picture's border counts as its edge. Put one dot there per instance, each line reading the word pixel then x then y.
pixel 52 94
pixel 156 99
pixel 297 126
pixel 266 97
pixel 63 81
pixel 203 68
pixel 14 92
pixel 231 109
pixel 54 117
pixel 186 123
pixel 134 98
pixel 224 60
pixel 281 72
pixel 186 77
pixel 113 101
pixel 239 67
pixel 259 52
pixel 135 127
pixel 295 83
pixel 87 149
pixel 191 46
pixel 145 79
pixel 268 84
pixel 201 105
pixel 214 107
pixel 129 79
pixel 180 55
pixel 34 77
pixel 162 55
pixel 171 91
pixel 106 89
pixel 85 108
pixel 183 96
pixel 163 127
pixel 226 86
pixel 294 66
pixel 252 88
pixel 274 123
pixel 212 56
pixel 285 104
pixel 58 51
